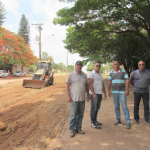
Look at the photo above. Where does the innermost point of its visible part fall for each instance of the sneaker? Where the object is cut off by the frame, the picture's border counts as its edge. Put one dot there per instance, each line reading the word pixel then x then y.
pixel 80 132
pixel 147 120
pixel 72 134
pixel 137 122
pixel 95 126
pixel 98 123
pixel 118 121
pixel 128 126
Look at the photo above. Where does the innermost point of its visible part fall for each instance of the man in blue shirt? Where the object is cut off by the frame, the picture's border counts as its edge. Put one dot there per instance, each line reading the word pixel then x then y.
pixel 140 80
pixel 118 78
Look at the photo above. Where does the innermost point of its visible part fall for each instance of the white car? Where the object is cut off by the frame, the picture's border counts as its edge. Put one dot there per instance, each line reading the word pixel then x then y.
pixel 3 73
pixel 19 73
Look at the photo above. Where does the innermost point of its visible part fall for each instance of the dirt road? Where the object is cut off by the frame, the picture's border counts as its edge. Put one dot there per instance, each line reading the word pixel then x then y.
pixel 37 119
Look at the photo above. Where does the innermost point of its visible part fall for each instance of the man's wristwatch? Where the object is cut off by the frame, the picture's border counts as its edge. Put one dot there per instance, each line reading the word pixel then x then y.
pixel 127 89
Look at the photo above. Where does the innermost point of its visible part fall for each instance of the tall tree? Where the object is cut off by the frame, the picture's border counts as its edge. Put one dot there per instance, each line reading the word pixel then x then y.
pixel 24 28
pixel 96 25
pixel 13 50
pixel 2 13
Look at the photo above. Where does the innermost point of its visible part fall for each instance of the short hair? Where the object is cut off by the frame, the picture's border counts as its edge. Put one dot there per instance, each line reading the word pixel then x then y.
pixel 116 60
pixel 142 61
pixel 97 62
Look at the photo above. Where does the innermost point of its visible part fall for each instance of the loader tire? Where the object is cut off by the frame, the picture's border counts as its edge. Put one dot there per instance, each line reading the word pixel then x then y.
pixel 51 81
pixel 47 82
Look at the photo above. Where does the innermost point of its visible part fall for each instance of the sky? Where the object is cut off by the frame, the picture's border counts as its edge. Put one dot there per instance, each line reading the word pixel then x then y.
pixel 41 11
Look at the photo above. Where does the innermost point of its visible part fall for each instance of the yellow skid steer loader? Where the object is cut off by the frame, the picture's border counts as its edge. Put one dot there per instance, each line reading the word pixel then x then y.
pixel 42 77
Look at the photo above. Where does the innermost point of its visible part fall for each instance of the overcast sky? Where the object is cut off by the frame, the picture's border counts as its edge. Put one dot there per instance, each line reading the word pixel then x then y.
pixel 41 11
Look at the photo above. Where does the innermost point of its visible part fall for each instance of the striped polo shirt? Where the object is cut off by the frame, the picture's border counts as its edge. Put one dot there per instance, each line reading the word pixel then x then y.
pixel 118 81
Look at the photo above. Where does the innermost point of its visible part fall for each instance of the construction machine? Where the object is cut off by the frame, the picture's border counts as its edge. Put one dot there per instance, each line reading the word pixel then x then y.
pixel 42 77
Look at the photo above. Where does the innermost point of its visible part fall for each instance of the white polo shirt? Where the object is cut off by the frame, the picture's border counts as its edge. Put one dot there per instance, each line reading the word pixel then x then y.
pixel 97 82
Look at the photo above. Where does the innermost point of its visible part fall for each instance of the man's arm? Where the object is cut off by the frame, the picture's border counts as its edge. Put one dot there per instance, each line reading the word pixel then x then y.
pixel 131 82
pixel 104 91
pixel 68 92
pixel 91 87
pixel 109 87
pixel 127 87
pixel 87 91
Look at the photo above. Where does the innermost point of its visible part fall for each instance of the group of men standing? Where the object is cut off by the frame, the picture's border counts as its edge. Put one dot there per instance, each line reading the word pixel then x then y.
pixel 78 83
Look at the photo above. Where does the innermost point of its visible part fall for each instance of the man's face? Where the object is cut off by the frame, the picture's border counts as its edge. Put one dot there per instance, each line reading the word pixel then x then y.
pixel 78 67
pixel 97 67
pixel 116 65
pixel 141 65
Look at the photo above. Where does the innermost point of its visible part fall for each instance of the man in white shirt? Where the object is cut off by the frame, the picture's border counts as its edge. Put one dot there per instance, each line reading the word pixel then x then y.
pixel 96 88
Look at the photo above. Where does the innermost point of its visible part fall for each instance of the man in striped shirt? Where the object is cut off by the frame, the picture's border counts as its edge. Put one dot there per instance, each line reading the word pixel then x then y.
pixel 118 79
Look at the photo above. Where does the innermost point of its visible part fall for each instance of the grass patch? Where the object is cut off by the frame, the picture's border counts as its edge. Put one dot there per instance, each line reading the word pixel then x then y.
pixel 60 72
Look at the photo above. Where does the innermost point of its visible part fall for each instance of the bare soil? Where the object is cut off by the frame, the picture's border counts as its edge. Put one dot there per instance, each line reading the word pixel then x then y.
pixel 37 119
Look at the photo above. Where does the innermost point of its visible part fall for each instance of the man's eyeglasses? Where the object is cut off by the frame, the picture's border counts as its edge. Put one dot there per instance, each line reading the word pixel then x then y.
pixel 98 65
pixel 141 64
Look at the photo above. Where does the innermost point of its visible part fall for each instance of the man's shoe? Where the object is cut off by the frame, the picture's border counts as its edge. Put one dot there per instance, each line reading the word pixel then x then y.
pixel 80 132
pixel 137 122
pixel 118 121
pixel 72 134
pixel 98 123
pixel 95 126
pixel 128 126
pixel 147 120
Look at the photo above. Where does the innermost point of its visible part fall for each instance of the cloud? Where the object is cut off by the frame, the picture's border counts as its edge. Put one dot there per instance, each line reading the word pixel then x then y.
pixel 11 6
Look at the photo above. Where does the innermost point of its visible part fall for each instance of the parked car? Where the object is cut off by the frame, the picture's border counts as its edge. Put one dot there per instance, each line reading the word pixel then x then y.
pixel 3 73
pixel 19 74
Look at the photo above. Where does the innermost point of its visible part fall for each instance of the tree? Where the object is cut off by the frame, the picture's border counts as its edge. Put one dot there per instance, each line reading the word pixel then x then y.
pixel 90 67
pixel 96 25
pixel 45 57
pixel 24 28
pixel 70 67
pixel 2 13
pixel 13 50
pixel 61 66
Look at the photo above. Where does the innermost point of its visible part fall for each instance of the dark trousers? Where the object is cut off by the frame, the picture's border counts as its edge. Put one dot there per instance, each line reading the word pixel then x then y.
pixel 137 99
pixel 95 106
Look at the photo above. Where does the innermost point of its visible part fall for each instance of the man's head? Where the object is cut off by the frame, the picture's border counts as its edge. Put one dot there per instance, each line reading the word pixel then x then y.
pixel 78 65
pixel 97 66
pixel 141 65
pixel 116 64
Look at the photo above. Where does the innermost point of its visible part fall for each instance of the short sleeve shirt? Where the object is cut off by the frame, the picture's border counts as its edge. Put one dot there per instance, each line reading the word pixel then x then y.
pixel 78 84
pixel 118 81
pixel 141 81
pixel 97 82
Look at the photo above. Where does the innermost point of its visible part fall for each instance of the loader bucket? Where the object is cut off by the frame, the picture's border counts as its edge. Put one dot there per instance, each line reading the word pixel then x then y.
pixel 36 84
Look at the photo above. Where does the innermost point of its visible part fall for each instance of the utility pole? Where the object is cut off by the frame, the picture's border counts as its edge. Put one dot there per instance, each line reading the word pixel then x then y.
pixel 39 28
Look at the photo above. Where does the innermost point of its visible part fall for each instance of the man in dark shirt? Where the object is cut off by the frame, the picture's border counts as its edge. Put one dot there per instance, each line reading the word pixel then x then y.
pixel 140 80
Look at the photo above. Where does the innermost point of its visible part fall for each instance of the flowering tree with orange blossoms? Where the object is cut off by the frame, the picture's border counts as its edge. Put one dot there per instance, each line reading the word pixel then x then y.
pixel 14 50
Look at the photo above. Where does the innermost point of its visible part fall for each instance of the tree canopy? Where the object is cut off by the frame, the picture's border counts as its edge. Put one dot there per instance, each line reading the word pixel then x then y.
pixel 108 29
pixel 24 28
pixel 2 13
pixel 45 57
pixel 13 50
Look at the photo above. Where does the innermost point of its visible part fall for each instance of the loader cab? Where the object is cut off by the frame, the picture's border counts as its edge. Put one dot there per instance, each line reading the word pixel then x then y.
pixel 43 65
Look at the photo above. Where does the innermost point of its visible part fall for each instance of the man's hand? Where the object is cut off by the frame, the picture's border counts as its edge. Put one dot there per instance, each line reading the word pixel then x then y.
pixel 109 94
pixel 69 99
pixel 94 96
pixel 105 96
pixel 127 93
pixel 87 98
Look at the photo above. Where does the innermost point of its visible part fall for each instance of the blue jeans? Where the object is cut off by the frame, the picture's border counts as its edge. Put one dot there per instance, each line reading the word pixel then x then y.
pixel 123 101
pixel 95 106
pixel 76 115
